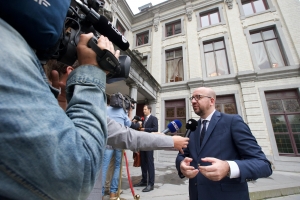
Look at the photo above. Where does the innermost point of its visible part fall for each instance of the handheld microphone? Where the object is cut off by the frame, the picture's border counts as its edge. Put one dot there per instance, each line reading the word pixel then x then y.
pixel 104 27
pixel 190 126
pixel 173 126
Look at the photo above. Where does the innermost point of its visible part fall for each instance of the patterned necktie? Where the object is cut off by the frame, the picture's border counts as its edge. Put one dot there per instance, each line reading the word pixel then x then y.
pixel 203 131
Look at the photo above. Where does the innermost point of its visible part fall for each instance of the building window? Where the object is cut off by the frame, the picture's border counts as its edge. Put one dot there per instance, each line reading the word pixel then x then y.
pixel 215 58
pixel 142 38
pixel 120 28
pixel 284 109
pixel 144 61
pixel 254 6
pixel 174 65
pixel 226 104
pixel 173 28
pixel 267 49
pixel 210 18
pixel 175 109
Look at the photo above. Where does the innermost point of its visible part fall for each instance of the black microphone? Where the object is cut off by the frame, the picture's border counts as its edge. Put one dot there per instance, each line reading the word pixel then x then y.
pixel 173 126
pixel 104 27
pixel 190 126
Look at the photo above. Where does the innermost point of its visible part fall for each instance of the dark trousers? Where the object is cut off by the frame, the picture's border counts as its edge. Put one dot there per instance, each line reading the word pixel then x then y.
pixel 147 166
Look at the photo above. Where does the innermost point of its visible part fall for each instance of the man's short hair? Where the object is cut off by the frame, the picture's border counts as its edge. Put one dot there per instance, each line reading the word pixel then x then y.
pixel 60 67
pixel 148 106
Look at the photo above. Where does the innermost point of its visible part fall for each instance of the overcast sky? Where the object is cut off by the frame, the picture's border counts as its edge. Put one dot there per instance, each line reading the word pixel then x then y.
pixel 135 4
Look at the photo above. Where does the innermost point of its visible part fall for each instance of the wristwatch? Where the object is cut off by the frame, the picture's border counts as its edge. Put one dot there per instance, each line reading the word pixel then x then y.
pixel 228 173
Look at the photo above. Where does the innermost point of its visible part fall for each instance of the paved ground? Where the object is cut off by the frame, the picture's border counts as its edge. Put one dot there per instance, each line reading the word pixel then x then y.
pixel 168 186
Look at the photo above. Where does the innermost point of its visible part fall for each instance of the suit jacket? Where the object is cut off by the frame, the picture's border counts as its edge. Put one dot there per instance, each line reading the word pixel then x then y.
pixel 227 138
pixel 151 124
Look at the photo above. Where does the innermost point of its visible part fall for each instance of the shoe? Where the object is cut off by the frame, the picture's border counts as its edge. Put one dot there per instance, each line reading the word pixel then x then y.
pixel 140 184
pixel 148 188
pixel 112 196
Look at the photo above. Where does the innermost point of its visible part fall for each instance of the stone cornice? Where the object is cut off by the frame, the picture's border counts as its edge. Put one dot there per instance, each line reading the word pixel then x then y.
pixel 177 86
pixel 278 73
pixel 269 74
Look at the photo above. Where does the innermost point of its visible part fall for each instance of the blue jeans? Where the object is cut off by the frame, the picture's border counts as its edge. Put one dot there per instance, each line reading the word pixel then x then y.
pixel 106 160
pixel 46 153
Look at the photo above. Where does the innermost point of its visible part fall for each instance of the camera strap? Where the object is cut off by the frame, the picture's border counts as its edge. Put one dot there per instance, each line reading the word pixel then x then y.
pixel 105 59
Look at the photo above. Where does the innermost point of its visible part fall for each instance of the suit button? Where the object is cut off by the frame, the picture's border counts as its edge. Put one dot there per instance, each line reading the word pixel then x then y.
pixel 195 183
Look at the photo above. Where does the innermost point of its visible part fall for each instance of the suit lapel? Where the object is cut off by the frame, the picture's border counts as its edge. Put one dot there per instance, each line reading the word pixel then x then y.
pixel 212 124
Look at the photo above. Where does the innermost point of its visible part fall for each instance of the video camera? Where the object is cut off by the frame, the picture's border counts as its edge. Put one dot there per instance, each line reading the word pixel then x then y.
pixel 82 18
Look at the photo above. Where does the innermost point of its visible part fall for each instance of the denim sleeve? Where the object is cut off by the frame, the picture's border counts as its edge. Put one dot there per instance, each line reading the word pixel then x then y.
pixel 46 153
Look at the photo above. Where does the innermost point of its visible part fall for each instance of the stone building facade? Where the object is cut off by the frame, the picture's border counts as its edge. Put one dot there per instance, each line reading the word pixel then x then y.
pixel 247 51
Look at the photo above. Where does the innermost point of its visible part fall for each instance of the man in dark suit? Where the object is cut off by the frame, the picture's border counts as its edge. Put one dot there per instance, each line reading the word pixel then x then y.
pixel 150 124
pixel 222 156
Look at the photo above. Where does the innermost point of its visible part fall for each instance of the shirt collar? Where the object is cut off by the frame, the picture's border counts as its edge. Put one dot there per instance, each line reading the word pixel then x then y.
pixel 208 118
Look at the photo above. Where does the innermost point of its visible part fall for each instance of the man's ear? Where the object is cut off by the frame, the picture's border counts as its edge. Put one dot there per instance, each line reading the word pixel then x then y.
pixel 69 70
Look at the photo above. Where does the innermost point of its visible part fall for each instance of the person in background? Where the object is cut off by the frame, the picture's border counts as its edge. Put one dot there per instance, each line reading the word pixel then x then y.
pixel 150 124
pixel 222 154
pixel 119 115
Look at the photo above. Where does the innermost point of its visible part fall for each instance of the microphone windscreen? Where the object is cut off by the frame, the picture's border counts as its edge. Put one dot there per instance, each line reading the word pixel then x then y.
pixel 104 27
pixel 191 124
pixel 174 125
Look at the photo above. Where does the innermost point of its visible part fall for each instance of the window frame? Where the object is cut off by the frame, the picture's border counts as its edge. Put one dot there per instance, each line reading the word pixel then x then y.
pixel 174 58
pixel 164 31
pixel 228 53
pixel 276 158
pixel 285 48
pixel 184 57
pixel 265 40
pixel 149 30
pixel 237 99
pixel 175 109
pixel 118 23
pixel 143 34
pixel 208 10
pixel 288 126
pixel 173 24
pixel 267 3
pixel 163 105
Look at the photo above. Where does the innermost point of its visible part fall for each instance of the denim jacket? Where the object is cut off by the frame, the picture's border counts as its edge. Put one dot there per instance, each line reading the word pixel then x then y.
pixel 46 153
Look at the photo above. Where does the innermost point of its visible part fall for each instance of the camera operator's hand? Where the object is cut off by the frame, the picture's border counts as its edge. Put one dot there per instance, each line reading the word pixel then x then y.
pixel 86 56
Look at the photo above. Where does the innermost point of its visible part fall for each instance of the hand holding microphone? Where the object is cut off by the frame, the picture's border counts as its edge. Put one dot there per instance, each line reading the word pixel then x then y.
pixel 179 142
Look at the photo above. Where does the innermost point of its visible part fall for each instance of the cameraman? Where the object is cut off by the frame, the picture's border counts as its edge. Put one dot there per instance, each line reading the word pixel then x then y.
pixel 47 153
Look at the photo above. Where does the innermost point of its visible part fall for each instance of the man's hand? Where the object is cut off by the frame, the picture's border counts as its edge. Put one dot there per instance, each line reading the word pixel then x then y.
pixel 187 170
pixel 216 171
pixel 180 142
pixel 86 56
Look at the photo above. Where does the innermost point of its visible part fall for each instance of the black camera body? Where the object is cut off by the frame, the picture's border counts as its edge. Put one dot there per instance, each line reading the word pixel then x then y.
pixel 82 18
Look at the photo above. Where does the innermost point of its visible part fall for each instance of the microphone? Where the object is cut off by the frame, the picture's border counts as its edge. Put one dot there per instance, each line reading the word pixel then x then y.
pixel 190 126
pixel 173 126
pixel 104 27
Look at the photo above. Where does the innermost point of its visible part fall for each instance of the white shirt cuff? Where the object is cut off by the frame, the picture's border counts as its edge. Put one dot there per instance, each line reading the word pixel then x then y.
pixel 234 169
